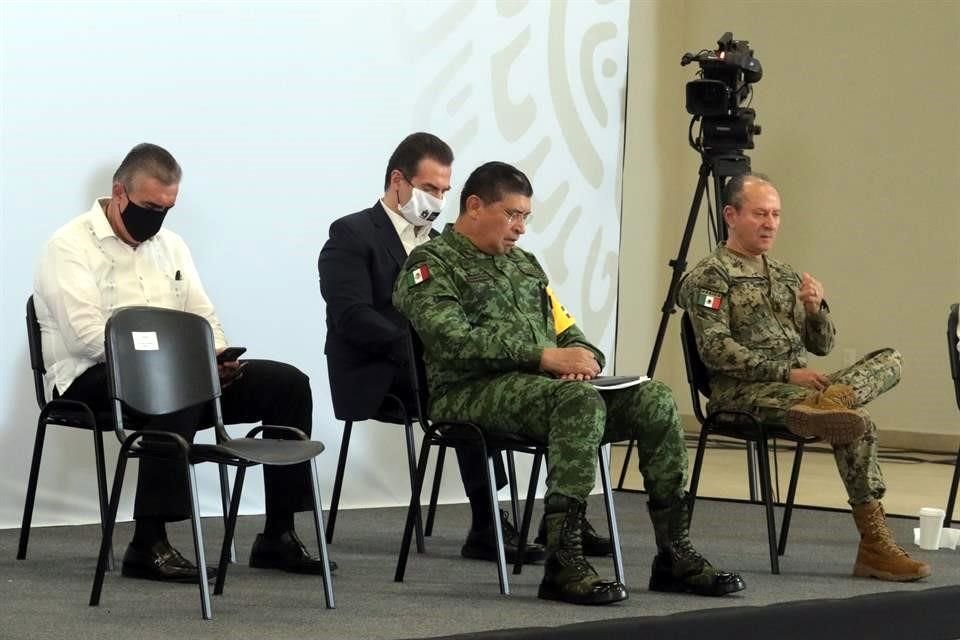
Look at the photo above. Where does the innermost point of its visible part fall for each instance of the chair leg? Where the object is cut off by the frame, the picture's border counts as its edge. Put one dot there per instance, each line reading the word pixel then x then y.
pixel 604 460
pixel 225 502
pixel 791 496
pixel 205 608
pixel 528 512
pixel 100 461
pixel 318 526
pixel 338 479
pixel 411 463
pixel 435 491
pixel 106 542
pixel 767 495
pixel 752 470
pixel 697 467
pixel 497 526
pixel 32 491
pixel 414 507
pixel 952 499
pixel 229 527
pixel 626 463
pixel 512 476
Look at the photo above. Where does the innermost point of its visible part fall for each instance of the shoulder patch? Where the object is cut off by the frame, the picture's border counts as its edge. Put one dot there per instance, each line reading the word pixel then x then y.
pixel 417 275
pixel 709 299
pixel 562 320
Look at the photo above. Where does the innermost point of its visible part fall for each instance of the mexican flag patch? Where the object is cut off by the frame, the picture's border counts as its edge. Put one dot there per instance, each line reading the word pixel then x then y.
pixel 418 275
pixel 709 300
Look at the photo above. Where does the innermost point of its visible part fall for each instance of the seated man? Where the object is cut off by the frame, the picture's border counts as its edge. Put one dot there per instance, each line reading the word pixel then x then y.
pixel 117 255
pixel 754 320
pixel 366 343
pixel 497 355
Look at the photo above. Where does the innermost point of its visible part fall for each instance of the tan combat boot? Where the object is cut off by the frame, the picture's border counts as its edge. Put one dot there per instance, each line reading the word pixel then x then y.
pixel 836 396
pixel 879 556
pixel 828 415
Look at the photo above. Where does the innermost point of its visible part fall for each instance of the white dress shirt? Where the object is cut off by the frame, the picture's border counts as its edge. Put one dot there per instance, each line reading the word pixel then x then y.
pixel 410 235
pixel 86 272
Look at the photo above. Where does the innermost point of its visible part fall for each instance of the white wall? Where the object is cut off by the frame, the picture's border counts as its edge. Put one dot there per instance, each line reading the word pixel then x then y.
pixel 859 104
pixel 282 115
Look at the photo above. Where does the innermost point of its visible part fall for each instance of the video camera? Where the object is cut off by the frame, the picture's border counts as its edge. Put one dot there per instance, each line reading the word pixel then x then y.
pixel 726 76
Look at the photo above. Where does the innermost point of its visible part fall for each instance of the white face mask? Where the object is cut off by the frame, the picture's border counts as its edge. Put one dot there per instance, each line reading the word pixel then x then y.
pixel 422 208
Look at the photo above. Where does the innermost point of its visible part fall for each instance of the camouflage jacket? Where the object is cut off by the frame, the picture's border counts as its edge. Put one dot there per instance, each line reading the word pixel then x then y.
pixel 479 315
pixel 749 324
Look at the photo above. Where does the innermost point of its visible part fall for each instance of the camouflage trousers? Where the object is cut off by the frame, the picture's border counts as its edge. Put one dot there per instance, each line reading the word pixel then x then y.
pixel 573 419
pixel 872 375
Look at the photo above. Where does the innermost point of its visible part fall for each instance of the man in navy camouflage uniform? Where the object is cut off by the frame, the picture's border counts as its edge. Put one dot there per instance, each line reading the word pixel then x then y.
pixel 755 319
pixel 500 352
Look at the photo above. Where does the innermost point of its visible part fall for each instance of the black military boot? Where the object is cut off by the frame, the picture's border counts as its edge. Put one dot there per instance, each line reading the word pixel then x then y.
pixel 593 543
pixel 677 565
pixel 567 575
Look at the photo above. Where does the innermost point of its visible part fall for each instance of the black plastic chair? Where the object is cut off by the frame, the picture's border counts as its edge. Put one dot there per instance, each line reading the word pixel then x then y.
pixel 744 426
pixel 178 371
pixel 954 358
pixel 453 434
pixel 393 412
pixel 60 413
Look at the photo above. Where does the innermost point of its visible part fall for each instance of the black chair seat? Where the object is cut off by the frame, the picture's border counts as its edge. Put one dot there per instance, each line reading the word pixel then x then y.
pixel 64 413
pixel 266 451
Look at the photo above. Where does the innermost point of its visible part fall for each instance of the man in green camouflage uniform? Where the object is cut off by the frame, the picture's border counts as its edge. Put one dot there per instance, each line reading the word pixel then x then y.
pixel 755 319
pixel 500 351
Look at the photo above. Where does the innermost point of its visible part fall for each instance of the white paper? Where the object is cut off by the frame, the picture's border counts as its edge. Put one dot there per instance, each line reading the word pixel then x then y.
pixel 628 381
pixel 145 340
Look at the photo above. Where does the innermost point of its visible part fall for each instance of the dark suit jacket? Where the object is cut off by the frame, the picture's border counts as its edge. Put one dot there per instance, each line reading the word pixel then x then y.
pixel 366 336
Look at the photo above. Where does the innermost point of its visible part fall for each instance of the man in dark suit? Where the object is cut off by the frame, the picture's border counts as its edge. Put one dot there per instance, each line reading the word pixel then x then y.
pixel 366 336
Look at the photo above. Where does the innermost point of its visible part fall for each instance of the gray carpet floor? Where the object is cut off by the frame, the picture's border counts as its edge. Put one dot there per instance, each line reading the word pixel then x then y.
pixel 45 596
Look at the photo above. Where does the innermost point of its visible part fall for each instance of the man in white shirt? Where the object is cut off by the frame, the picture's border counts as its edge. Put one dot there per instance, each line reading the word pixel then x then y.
pixel 117 254
pixel 366 336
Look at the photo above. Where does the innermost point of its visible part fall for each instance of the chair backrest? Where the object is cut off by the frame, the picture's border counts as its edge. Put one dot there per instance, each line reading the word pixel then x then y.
pixel 36 353
pixel 160 360
pixel 697 375
pixel 952 350
pixel 418 374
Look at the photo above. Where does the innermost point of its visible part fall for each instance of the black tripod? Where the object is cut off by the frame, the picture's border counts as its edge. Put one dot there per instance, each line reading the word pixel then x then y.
pixel 720 167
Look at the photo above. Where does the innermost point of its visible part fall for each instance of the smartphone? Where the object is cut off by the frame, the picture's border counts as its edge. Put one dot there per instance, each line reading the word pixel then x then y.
pixel 230 354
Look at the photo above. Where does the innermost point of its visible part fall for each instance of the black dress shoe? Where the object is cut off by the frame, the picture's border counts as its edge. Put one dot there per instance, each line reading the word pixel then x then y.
pixel 161 562
pixel 482 544
pixel 593 543
pixel 286 553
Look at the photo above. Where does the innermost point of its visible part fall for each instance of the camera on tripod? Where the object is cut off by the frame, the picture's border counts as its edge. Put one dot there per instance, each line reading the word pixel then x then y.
pixel 725 83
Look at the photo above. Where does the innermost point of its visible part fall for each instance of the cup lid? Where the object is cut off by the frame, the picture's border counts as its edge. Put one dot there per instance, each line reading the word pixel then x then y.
pixel 932 511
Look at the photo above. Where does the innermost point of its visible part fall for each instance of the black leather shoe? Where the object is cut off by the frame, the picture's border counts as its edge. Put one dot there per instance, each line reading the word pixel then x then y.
pixel 593 543
pixel 161 562
pixel 286 553
pixel 481 544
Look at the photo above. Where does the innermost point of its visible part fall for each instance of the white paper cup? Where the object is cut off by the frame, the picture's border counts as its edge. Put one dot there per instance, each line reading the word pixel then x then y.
pixel 931 526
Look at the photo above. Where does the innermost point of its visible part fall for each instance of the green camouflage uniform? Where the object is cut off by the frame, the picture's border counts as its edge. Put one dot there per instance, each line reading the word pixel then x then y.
pixel 751 330
pixel 484 322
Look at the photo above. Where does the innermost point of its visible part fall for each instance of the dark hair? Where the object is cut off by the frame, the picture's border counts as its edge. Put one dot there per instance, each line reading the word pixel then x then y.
pixel 733 190
pixel 150 160
pixel 491 181
pixel 414 148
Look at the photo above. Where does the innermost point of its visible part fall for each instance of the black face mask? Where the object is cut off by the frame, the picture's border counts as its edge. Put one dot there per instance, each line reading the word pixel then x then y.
pixel 142 224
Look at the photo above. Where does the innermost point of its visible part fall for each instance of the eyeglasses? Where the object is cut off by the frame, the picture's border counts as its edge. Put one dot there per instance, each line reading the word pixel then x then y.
pixel 513 215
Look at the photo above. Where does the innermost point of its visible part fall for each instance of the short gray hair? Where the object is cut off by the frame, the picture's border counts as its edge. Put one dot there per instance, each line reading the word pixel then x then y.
pixel 150 160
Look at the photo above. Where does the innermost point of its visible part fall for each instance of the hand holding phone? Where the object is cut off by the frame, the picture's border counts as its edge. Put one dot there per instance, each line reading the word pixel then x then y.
pixel 230 354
